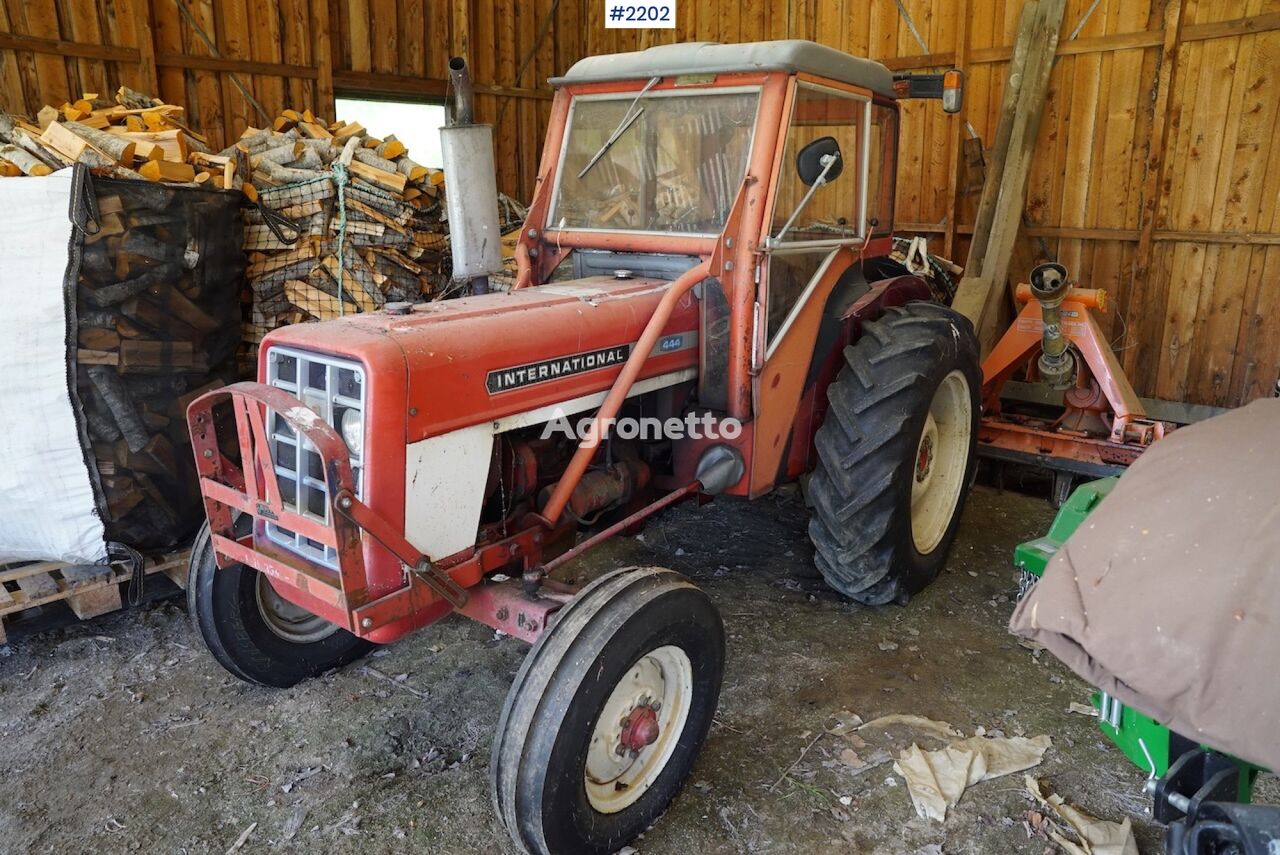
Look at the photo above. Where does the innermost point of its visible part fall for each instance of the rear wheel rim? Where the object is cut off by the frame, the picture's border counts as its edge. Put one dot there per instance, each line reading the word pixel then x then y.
pixel 288 621
pixel 942 457
pixel 638 729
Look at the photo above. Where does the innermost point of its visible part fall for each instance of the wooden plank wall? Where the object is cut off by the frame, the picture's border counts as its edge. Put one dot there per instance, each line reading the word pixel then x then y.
pixel 236 63
pixel 1172 211
pixel 1196 309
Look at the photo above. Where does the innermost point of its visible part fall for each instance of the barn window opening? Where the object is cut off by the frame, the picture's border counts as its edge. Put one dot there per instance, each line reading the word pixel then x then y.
pixel 414 123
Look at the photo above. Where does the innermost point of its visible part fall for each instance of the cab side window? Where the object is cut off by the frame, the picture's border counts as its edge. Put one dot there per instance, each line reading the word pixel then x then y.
pixel 834 211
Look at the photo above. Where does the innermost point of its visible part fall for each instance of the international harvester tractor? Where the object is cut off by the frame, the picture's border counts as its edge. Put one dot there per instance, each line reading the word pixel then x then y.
pixel 706 251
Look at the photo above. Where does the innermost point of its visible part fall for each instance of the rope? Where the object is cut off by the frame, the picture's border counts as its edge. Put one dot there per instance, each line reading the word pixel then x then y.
pixel 340 179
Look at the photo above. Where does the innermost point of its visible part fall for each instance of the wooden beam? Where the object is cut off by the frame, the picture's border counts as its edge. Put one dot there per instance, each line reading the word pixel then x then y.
pixel 370 83
pixel 9 41
pixel 1149 201
pixel 989 260
pixel 1122 235
pixel 228 65
pixel 1000 145
pixel 1100 44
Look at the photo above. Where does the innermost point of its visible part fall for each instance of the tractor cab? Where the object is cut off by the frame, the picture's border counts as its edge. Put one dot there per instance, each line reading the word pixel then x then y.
pixel 773 164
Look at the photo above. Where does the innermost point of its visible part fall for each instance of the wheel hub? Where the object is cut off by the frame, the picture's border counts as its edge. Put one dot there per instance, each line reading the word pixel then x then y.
pixel 639 729
pixel 941 461
pixel 924 459
pixel 292 623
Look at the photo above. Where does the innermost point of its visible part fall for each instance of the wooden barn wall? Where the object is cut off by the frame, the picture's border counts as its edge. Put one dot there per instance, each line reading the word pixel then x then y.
pixel 1156 180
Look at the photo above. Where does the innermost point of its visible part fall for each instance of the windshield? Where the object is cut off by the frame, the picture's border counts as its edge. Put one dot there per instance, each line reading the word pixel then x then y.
pixel 663 161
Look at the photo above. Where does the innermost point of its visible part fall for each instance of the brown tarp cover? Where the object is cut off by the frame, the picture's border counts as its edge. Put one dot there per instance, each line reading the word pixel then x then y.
pixel 1168 596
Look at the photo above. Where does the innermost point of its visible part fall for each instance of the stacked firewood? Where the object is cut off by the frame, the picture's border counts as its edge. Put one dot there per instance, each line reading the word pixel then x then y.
pixel 344 222
pixel 134 136
pixel 157 319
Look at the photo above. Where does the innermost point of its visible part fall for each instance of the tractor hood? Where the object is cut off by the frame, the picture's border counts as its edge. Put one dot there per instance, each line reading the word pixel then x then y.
pixel 499 356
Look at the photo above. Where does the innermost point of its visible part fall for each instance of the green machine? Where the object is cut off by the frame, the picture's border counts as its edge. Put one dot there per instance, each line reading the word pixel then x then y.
pixel 1151 746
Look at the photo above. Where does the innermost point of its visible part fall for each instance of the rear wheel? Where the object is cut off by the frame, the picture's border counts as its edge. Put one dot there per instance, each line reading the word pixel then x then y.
pixel 608 713
pixel 255 633
pixel 896 454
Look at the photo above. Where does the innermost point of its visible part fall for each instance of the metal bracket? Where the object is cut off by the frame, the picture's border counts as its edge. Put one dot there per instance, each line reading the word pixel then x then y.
pixel 420 565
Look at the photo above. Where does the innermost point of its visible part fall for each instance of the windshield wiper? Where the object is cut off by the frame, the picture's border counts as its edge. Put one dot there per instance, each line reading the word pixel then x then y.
pixel 628 119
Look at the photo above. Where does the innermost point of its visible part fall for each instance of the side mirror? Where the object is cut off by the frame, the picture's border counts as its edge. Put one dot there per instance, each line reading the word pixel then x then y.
pixel 819 157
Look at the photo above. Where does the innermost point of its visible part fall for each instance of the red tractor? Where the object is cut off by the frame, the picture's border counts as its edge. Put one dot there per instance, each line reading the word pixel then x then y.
pixel 704 284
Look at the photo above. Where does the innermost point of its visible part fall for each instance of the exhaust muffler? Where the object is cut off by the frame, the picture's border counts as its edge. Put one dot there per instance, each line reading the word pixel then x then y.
pixel 471 189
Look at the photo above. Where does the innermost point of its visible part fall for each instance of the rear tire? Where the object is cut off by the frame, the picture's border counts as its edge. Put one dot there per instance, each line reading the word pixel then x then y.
pixel 896 454
pixel 572 771
pixel 253 632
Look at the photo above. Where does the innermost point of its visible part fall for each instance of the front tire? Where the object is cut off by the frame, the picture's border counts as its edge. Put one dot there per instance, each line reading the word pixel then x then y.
pixel 608 713
pixel 255 633
pixel 896 454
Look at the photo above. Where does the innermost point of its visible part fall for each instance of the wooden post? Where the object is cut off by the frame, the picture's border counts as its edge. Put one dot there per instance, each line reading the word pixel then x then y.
pixel 1000 145
pixel 1149 206
pixel 979 295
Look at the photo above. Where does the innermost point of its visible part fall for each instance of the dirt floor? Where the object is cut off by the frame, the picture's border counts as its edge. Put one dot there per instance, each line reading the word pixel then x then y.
pixel 122 734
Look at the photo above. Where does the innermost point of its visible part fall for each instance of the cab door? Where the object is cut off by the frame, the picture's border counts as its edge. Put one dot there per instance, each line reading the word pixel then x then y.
pixel 818 227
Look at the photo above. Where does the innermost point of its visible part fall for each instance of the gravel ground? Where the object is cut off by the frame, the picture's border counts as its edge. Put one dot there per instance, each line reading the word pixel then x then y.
pixel 122 734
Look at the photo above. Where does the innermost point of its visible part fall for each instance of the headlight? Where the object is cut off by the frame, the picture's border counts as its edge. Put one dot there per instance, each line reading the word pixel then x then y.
pixel 353 431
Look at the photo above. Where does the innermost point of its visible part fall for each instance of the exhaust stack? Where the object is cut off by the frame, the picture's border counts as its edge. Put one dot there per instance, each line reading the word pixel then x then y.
pixel 1049 286
pixel 471 191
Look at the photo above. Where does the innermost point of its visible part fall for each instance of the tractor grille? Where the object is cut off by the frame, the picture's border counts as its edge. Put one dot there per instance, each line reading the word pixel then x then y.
pixel 331 387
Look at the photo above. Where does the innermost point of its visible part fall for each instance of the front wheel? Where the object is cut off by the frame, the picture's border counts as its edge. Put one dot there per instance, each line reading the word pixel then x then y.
pixel 255 633
pixel 896 453
pixel 608 713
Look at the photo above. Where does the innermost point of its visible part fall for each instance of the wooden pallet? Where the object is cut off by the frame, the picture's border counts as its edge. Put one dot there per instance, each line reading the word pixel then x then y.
pixel 89 589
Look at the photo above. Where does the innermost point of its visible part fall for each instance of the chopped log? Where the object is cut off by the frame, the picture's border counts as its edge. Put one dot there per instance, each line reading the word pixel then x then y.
pixel 110 295
pixel 349 130
pixel 183 309
pixel 309 159
pixel 28 164
pixel 167 170
pixel 324 148
pixel 46 115
pixel 393 181
pixel 134 100
pixel 285 175
pixel 391 148
pixel 120 406
pixel 139 356
pixel 112 145
pixel 69 145
pixel 409 169
pixel 100 427
pixel 312 300
pixel 371 158
pixel 315 131
pixel 98 338
pixel 280 154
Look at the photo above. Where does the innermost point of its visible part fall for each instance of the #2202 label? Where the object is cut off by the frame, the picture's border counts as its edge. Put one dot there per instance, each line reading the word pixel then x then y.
pixel 621 14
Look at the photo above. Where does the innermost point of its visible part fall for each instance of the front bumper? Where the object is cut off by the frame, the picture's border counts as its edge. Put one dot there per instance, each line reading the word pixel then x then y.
pixel 341 594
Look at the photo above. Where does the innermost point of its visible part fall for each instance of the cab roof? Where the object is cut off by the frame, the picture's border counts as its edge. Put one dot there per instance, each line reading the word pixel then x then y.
pixel 789 55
